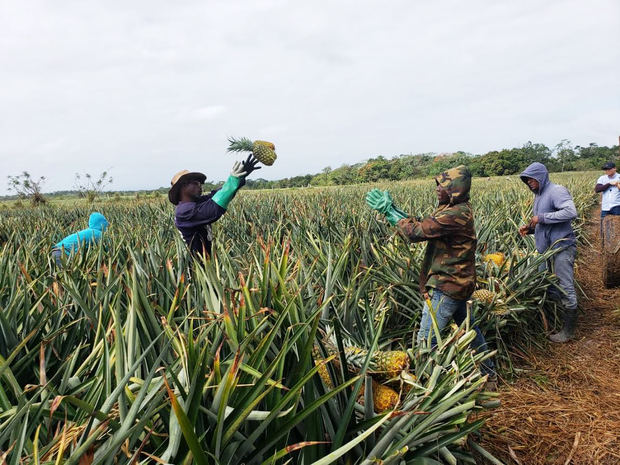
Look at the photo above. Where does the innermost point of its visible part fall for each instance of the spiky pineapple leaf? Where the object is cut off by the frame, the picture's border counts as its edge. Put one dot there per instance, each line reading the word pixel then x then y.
pixel 241 144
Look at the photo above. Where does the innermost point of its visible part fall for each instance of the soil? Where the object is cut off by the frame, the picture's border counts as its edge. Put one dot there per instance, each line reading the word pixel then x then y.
pixel 565 408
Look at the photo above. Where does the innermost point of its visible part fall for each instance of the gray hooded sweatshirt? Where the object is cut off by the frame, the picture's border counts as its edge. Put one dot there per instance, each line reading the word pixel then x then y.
pixel 555 209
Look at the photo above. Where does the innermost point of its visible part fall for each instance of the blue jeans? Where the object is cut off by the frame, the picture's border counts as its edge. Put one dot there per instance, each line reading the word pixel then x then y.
pixel 446 309
pixel 562 264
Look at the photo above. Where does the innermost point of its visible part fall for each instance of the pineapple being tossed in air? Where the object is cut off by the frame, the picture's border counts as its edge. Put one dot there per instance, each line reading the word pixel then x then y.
pixel 263 151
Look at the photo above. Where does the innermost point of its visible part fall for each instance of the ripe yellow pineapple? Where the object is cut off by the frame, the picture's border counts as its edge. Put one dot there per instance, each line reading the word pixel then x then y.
pixel 383 397
pixel 501 310
pixel 264 142
pixel 262 150
pixel 484 296
pixel 324 374
pixel 497 258
pixel 487 297
pixel 389 363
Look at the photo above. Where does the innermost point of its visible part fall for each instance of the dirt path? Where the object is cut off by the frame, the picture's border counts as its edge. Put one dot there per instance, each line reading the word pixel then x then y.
pixel 566 409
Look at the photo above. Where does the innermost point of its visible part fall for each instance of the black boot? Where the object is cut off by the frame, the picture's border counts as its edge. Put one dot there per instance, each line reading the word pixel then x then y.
pixel 568 328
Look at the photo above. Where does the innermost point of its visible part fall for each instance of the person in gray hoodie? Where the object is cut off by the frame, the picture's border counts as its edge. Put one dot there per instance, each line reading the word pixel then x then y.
pixel 553 211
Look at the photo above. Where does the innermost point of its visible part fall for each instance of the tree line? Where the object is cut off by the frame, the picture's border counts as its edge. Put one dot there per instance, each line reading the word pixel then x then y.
pixel 562 157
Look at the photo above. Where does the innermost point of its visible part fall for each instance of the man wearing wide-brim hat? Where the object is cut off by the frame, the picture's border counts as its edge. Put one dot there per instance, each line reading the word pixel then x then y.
pixel 609 186
pixel 195 213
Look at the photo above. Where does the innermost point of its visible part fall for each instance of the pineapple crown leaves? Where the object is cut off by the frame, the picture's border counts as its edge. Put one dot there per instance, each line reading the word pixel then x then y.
pixel 241 144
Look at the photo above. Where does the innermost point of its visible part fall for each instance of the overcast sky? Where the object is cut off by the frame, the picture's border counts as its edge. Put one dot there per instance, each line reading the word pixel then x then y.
pixel 147 88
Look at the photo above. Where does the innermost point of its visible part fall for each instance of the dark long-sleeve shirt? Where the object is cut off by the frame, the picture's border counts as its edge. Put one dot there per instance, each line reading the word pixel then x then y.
pixel 601 188
pixel 194 219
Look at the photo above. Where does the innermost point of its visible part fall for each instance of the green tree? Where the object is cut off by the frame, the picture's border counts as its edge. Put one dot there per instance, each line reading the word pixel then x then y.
pixel 565 154
pixel 593 157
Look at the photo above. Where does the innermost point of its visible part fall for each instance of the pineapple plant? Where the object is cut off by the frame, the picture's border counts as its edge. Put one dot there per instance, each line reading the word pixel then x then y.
pixel 231 299
pixel 263 151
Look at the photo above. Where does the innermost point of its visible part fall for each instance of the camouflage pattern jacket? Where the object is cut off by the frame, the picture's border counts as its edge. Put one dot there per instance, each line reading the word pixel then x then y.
pixel 450 259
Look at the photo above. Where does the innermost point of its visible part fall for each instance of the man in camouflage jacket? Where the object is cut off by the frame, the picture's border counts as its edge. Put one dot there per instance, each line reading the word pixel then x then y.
pixel 449 268
pixel 450 259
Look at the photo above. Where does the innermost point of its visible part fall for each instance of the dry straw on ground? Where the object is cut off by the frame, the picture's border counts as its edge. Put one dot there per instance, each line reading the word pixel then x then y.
pixel 565 408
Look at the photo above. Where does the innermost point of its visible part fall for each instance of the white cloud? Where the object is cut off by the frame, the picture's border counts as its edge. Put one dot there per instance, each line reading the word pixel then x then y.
pixel 149 88
pixel 205 113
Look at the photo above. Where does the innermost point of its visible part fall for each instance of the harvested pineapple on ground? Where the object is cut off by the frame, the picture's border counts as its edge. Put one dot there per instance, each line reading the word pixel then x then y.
pixel 263 151
pixel 383 397
pixel 484 296
pixel 387 363
pixel 324 373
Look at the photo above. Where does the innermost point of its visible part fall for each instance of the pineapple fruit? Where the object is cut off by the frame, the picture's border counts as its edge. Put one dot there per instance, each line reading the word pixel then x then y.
pixel 387 363
pixel 497 258
pixel 484 296
pixel 383 397
pixel 262 150
pixel 324 374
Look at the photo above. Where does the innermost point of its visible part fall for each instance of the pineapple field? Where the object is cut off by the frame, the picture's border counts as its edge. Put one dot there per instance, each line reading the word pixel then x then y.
pixel 294 344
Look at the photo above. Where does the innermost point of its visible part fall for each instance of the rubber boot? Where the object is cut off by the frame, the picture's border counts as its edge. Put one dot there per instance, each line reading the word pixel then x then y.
pixel 568 328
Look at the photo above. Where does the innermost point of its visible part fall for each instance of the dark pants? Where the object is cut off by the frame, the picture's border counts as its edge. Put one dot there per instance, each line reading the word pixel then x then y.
pixel 614 211
pixel 56 255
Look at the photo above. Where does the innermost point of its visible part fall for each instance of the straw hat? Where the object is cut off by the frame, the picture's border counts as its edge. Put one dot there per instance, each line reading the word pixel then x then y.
pixel 181 178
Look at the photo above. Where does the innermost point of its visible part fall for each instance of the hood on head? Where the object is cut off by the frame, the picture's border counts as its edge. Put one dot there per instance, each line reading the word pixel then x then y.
pixel 536 171
pixel 97 221
pixel 457 182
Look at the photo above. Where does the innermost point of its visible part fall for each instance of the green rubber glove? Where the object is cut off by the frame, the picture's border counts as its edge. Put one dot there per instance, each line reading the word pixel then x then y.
pixel 375 200
pixel 394 215
pixel 227 192
pixel 231 186
pixel 383 203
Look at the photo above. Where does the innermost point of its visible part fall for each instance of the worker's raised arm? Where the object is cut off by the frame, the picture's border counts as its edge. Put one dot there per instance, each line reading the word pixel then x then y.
pixel 444 223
